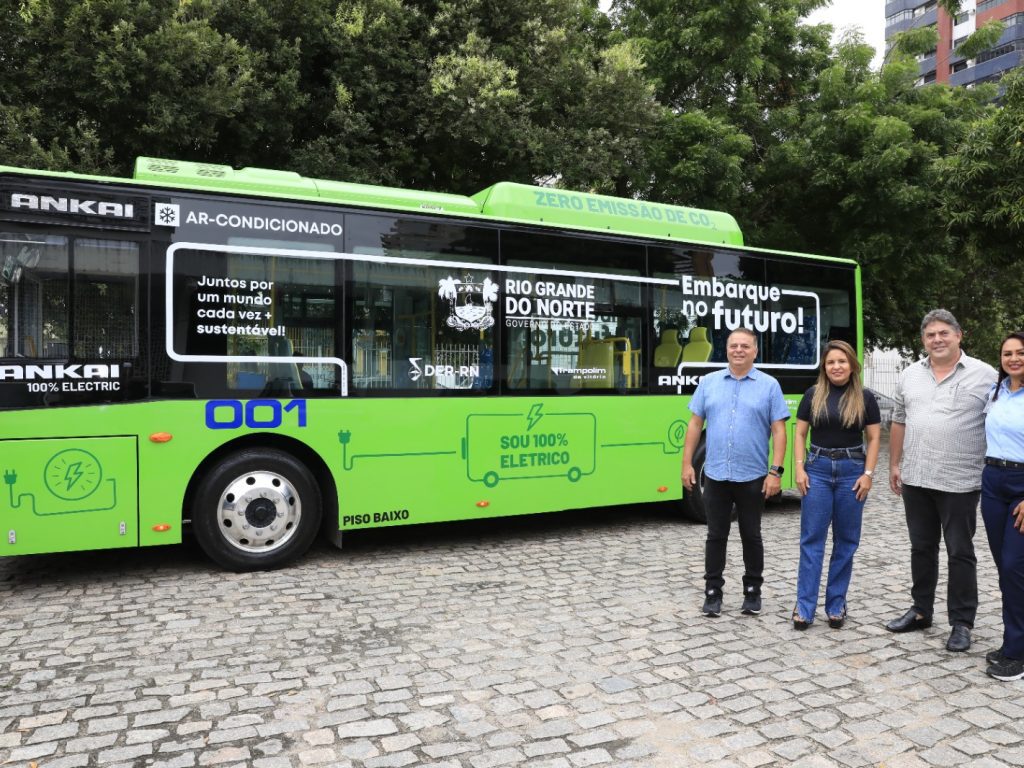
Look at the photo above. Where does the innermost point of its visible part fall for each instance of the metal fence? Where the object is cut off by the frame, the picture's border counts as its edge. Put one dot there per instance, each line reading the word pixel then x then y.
pixel 882 368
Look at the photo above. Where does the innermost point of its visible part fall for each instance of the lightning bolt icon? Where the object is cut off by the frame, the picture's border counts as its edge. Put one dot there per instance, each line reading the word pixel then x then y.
pixel 74 474
pixel 534 416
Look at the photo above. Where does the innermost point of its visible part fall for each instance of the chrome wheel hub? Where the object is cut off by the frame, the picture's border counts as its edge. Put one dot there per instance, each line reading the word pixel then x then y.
pixel 259 512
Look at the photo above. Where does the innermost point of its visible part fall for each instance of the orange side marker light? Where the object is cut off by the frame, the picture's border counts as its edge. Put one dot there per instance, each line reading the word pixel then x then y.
pixel 483 504
pixel 662 488
pixel 161 527
pixel 160 437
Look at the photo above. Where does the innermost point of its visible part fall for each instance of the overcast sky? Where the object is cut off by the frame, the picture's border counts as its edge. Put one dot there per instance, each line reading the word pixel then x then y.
pixel 869 15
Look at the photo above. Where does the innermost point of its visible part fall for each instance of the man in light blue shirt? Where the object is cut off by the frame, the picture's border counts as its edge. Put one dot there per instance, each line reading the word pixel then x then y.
pixel 743 407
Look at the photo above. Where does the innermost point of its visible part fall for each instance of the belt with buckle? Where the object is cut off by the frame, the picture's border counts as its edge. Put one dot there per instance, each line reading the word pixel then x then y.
pixel 841 453
pixel 993 462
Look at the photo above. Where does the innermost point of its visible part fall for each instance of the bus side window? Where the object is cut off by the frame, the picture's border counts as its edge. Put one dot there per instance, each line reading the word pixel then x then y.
pixel 34 296
pixel 416 328
pixel 106 296
pixel 574 316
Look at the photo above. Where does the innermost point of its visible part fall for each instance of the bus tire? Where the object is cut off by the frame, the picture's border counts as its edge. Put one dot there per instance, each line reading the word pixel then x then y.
pixel 256 509
pixel 693 500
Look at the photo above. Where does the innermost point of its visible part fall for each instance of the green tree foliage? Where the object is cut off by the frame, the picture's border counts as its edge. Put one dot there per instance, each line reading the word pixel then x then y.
pixel 981 201
pixel 147 77
pixel 452 94
pixel 858 177
pixel 914 41
pixel 458 94
pixel 729 104
pixel 720 67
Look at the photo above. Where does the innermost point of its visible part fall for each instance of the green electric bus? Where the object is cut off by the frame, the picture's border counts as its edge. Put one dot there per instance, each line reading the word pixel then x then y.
pixel 261 356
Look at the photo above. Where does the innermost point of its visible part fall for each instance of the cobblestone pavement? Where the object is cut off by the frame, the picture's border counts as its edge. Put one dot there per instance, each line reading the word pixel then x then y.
pixel 560 641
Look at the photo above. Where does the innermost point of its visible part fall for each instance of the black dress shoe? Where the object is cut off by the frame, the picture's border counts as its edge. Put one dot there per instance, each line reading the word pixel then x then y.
pixel 959 638
pixel 909 622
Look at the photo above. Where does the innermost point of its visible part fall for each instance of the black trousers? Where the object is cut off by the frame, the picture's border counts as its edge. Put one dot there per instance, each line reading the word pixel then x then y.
pixel 1002 489
pixel 719 498
pixel 931 516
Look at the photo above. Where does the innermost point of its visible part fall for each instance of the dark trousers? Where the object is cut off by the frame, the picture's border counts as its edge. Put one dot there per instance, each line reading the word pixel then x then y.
pixel 931 516
pixel 719 498
pixel 1001 491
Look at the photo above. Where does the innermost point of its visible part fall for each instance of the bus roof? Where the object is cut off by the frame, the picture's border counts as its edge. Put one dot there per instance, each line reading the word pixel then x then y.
pixel 505 201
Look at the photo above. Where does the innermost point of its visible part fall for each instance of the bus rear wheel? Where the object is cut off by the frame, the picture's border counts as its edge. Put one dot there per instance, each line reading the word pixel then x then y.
pixel 693 500
pixel 256 509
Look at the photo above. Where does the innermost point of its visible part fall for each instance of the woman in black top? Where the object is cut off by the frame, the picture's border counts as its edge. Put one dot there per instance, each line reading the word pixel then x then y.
pixel 834 480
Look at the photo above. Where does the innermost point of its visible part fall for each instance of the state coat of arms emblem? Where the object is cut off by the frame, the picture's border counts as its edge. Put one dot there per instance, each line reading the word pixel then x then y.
pixel 471 303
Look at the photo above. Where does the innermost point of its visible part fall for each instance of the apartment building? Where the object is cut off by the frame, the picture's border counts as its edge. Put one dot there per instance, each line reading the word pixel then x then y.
pixel 943 65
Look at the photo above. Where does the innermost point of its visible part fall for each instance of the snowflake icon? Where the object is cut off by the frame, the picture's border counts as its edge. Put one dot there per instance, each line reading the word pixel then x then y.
pixel 168 214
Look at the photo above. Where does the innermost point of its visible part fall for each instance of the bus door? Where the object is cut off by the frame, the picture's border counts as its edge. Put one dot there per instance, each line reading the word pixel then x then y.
pixel 69 345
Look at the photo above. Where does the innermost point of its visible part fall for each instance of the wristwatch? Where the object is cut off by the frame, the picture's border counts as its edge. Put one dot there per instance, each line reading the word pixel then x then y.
pixel 869 472
pixel 776 470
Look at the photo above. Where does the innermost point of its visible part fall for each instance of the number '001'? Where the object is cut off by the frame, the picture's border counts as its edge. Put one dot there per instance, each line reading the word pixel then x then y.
pixel 254 414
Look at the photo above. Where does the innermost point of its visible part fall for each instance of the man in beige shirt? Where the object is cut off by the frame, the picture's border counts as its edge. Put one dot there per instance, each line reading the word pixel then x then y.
pixel 936 455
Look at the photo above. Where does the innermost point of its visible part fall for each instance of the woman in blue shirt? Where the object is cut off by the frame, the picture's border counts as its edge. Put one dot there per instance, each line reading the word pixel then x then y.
pixel 834 480
pixel 1002 502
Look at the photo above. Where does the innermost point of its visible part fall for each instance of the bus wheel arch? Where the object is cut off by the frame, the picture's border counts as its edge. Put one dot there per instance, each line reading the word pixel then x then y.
pixel 287 480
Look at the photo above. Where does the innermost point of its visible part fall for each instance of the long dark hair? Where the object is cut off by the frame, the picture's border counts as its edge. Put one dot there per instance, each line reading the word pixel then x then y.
pixel 1019 336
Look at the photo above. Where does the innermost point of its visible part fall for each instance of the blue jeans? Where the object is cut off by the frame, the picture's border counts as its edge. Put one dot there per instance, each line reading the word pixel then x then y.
pixel 1001 490
pixel 830 500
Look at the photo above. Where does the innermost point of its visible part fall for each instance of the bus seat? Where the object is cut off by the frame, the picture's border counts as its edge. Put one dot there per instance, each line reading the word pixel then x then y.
pixel 668 353
pixel 283 376
pixel 598 354
pixel 698 348
pixel 250 380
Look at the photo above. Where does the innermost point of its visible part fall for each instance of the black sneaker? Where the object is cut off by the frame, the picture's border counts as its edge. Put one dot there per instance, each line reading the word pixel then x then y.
pixel 751 602
pixel 713 605
pixel 1006 669
pixel 994 657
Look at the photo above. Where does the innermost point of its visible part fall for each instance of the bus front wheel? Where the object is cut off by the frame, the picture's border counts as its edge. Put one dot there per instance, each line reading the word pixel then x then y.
pixel 256 509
